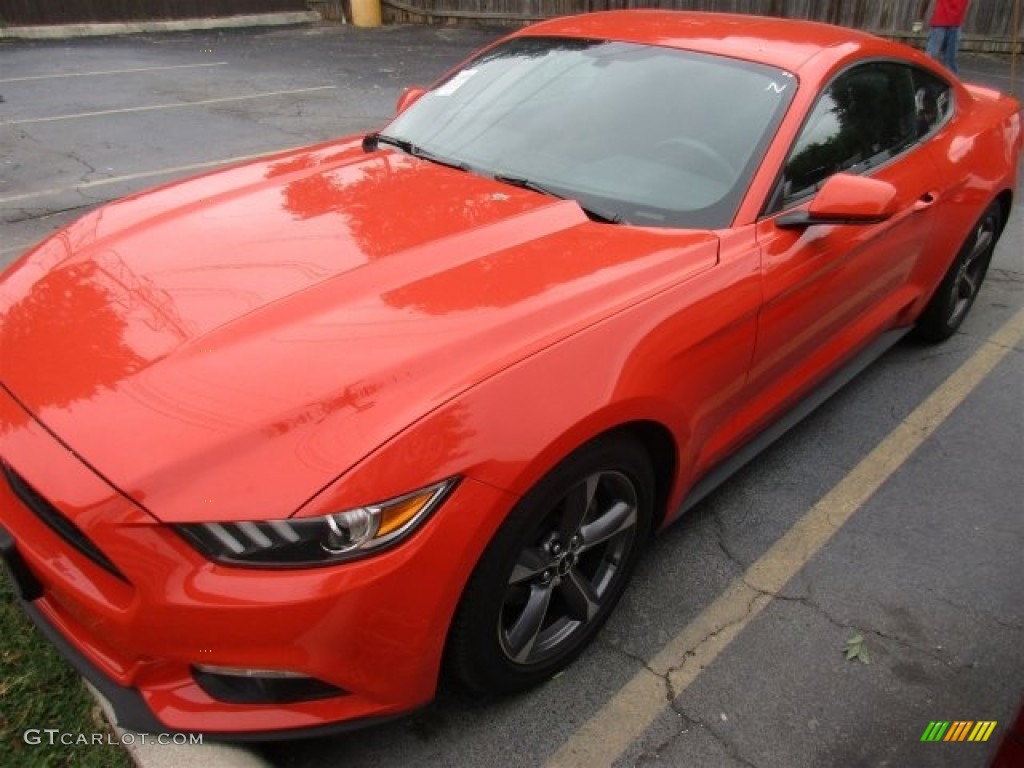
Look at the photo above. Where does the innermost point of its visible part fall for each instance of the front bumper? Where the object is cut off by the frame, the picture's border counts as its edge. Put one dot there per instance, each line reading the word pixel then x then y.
pixel 374 628
pixel 130 709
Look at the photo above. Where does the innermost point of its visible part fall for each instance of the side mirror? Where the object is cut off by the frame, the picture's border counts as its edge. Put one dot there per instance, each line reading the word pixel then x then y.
pixel 845 199
pixel 409 97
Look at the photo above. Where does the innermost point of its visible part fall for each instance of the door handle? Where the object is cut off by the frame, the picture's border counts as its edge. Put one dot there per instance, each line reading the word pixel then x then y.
pixel 925 201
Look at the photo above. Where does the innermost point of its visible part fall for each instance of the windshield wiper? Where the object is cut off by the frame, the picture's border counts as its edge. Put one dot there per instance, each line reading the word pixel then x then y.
pixel 525 183
pixel 597 214
pixel 372 140
pixel 417 151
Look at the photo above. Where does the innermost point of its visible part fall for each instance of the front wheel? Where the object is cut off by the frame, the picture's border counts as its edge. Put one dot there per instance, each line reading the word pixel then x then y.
pixel 959 288
pixel 555 569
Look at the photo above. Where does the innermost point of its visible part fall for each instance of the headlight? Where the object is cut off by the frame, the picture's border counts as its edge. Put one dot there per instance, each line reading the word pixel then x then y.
pixel 300 542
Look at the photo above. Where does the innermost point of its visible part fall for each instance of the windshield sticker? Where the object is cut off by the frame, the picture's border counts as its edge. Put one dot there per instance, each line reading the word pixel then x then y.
pixel 775 87
pixel 455 83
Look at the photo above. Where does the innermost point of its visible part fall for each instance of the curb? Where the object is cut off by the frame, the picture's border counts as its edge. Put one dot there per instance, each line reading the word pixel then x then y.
pixel 146 752
pixel 67 31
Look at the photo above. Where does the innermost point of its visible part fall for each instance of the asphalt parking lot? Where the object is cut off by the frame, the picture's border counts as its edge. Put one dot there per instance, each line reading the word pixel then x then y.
pixel 728 648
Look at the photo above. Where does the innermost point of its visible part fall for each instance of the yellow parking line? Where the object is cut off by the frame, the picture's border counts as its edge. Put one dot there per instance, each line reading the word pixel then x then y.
pixel 141 175
pixel 110 72
pixel 175 105
pixel 624 717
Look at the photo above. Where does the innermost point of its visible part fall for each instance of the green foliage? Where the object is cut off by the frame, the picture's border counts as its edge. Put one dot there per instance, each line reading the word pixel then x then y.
pixel 856 649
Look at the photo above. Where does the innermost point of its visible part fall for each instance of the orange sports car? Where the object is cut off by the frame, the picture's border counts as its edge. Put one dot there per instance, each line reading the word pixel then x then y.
pixel 282 442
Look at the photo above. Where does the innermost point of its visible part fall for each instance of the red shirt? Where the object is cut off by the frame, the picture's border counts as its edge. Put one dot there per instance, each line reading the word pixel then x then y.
pixel 949 13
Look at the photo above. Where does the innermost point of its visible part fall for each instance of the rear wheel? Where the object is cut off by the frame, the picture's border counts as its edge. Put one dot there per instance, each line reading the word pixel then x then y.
pixel 959 288
pixel 555 569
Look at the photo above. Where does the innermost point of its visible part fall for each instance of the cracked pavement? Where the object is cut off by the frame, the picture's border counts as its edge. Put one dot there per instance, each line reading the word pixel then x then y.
pixel 929 570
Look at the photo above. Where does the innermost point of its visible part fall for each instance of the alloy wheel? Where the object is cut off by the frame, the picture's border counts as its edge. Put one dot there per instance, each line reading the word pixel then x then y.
pixel 562 578
pixel 971 271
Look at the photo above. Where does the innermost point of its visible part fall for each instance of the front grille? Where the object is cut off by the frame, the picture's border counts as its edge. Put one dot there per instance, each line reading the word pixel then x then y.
pixel 63 527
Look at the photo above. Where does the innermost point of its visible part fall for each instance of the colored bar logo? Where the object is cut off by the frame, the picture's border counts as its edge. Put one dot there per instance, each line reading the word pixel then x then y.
pixel 958 730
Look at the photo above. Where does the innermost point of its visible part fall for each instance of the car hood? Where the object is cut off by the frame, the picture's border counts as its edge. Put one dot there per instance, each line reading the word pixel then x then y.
pixel 224 347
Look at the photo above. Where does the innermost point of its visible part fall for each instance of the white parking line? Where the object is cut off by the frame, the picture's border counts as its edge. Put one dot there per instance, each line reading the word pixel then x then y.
pixel 142 175
pixel 177 105
pixel 110 72
pixel 14 248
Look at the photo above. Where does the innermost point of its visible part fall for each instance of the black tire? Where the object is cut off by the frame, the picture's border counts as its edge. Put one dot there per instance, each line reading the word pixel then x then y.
pixel 959 288
pixel 542 590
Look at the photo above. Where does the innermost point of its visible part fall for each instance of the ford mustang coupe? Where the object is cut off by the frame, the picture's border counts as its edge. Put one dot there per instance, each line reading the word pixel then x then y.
pixel 281 443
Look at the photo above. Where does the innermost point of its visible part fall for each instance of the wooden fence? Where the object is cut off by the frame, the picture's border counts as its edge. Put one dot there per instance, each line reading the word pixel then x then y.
pixel 987 20
pixel 30 12
pixel 988 25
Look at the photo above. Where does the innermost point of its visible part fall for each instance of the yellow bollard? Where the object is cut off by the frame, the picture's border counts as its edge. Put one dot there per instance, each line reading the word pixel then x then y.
pixel 366 13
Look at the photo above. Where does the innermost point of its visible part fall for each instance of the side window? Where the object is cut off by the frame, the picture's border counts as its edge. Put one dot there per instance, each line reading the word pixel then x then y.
pixel 866 116
pixel 933 101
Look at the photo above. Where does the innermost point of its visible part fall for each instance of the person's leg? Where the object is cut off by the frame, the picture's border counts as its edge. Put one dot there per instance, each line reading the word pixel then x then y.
pixel 935 37
pixel 952 45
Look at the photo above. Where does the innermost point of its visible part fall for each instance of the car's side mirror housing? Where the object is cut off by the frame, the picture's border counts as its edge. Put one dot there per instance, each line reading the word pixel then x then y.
pixel 408 97
pixel 845 199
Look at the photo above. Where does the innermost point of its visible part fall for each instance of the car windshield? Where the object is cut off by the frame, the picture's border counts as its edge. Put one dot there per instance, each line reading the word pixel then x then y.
pixel 646 135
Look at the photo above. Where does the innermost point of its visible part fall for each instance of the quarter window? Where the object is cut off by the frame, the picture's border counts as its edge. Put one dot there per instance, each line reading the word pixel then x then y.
pixel 933 101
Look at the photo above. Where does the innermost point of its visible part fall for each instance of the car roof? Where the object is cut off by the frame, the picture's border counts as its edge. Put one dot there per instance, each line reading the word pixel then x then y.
pixel 783 43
